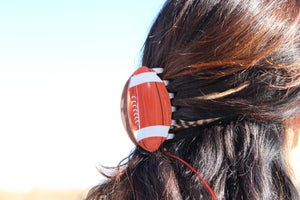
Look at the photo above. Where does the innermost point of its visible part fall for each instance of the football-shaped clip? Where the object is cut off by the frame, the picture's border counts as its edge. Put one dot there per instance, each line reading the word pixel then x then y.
pixel 146 109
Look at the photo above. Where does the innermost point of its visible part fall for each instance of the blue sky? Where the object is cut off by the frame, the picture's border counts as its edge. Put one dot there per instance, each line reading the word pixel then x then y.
pixel 62 68
pixel 94 32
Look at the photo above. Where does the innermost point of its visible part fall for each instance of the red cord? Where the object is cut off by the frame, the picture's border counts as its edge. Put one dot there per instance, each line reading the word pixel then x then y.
pixel 191 168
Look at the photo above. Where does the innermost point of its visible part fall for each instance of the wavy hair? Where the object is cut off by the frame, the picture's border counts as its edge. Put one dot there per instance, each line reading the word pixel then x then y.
pixel 234 68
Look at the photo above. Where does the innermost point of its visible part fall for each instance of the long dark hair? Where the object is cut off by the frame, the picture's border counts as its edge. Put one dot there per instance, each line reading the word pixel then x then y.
pixel 234 67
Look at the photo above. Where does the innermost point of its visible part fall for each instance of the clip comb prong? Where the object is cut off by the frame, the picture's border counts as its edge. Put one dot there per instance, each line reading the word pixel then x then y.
pixel 171 136
pixel 158 70
pixel 173 109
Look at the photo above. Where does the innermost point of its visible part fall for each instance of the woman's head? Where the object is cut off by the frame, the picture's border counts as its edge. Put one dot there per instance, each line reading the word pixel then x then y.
pixel 234 67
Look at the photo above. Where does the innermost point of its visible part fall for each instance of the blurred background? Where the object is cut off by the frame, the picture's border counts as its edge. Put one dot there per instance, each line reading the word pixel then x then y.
pixel 63 65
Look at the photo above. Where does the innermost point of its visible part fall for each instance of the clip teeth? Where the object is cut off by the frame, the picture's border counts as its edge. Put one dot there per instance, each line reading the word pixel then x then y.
pixel 170 136
pixel 158 70
pixel 166 82
pixel 173 109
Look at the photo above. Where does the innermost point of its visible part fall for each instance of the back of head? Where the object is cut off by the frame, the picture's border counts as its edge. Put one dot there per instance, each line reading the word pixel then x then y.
pixel 210 47
pixel 234 67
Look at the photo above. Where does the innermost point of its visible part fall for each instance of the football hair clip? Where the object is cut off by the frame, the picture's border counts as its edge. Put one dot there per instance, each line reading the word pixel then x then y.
pixel 146 109
pixel 147 113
